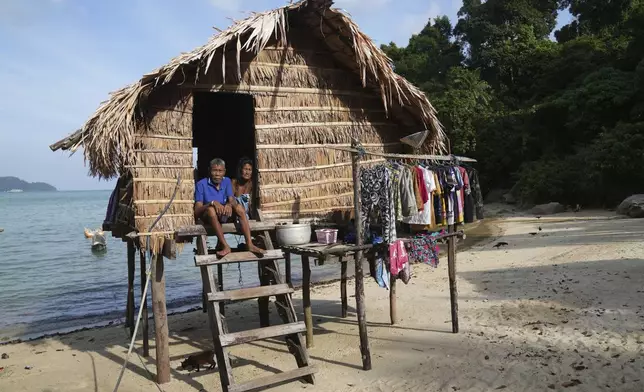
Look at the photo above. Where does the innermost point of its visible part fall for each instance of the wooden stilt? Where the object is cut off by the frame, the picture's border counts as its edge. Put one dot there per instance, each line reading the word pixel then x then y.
pixel 392 300
pixel 160 320
pixel 220 283
pixel 306 300
pixel 343 286
pixel 287 267
pixel 360 303
pixel 129 312
pixel 144 314
pixel 451 270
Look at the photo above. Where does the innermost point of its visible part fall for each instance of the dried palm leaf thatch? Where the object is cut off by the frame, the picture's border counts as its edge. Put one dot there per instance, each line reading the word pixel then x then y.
pixel 329 133
pixel 319 115
pixel 108 137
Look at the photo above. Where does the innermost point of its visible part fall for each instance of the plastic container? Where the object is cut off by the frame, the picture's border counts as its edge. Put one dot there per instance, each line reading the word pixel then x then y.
pixel 327 236
pixel 293 234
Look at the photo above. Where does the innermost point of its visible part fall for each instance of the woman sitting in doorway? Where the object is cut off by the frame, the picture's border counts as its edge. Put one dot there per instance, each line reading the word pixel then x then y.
pixel 243 184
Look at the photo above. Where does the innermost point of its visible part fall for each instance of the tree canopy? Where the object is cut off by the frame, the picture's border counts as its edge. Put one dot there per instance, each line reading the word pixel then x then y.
pixel 554 119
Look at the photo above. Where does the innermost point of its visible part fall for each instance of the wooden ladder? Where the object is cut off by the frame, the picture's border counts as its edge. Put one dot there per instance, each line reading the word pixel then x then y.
pixel 222 339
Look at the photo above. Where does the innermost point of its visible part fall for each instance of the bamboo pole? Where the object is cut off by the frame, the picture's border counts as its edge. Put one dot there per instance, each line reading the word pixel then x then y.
pixel 326 124
pixel 306 168
pixel 360 301
pixel 145 331
pixel 316 198
pixel 307 184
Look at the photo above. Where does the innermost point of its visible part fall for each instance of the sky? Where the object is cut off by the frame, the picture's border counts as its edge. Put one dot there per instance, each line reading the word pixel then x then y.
pixel 61 58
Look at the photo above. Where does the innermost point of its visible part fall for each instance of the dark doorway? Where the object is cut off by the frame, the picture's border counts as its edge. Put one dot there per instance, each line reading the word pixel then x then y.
pixel 223 126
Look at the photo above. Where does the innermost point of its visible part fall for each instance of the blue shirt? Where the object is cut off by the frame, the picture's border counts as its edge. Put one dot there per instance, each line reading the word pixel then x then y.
pixel 205 191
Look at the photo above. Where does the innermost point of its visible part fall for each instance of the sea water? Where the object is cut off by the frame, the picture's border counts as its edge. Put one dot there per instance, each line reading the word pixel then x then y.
pixel 51 281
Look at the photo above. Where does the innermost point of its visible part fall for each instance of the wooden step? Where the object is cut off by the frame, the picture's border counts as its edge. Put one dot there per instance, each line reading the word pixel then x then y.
pixel 228 228
pixel 273 379
pixel 233 339
pixel 238 257
pixel 249 293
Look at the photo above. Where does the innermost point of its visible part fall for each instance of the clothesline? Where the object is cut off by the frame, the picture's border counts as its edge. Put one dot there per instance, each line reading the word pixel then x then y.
pixel 405 156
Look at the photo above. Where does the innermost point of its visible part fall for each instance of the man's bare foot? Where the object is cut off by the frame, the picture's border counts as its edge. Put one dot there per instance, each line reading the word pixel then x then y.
pixel 259 252
pixel 224 251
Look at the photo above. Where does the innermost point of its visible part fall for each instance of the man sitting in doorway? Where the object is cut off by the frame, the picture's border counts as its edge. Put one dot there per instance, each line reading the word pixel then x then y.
pixel 215 204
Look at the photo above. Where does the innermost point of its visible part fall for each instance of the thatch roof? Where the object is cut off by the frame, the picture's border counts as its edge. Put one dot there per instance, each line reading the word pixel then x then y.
pixel 108 136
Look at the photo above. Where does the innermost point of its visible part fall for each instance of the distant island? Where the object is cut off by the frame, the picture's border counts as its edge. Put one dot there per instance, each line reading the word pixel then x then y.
pixel 15 184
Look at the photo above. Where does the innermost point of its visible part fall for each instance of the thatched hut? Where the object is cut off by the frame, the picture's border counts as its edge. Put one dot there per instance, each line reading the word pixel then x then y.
pixel 278 87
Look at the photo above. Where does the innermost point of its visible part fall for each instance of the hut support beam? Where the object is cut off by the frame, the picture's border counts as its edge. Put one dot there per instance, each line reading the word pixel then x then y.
pixel 451 271
pixel 360 300
pixel 129 312
pixel 160 320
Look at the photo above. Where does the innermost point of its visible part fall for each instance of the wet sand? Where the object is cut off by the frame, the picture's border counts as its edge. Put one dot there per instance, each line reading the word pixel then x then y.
pixel 558 310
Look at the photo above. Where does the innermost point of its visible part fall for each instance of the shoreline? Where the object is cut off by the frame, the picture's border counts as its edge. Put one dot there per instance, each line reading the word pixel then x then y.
pixel 549 310
pixel 476 233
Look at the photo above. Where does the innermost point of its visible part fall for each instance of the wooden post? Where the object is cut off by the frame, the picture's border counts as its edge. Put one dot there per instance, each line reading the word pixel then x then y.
pixel 360 305
pixel 129 312
pixel 160 320
pixel 306 300
pixel 392 300
pixel 264 314
pixel 343 286
pixel 220 284
pixel 287 266
pixel 451 270
pixel 264 280
pixel 144 314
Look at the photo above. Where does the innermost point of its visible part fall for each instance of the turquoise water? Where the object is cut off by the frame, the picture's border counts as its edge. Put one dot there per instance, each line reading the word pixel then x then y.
pixel 50 281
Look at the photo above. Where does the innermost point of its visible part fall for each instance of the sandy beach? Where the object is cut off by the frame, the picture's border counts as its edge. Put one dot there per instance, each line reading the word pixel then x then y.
pixel 557 310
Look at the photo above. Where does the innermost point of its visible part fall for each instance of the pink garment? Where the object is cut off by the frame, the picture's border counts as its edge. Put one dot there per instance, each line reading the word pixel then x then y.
pixel 397 257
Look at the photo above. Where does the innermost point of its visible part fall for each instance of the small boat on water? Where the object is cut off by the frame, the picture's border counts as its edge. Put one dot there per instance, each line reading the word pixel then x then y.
pixel 15 191
pixel 99 243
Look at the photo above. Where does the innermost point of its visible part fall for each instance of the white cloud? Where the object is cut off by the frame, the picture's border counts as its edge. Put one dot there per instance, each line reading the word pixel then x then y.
pixel 226 5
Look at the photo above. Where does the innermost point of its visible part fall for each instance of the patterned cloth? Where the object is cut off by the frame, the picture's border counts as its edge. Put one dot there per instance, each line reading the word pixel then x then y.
pixel 244 200
pixel 396 178
pixel 424 249
pixel 377 201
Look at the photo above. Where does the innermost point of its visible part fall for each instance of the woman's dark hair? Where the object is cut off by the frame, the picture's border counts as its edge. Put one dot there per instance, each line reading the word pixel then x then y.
pixel 240 166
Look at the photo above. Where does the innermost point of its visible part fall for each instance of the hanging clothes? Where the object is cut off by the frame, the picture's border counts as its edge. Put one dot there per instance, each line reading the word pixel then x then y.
pixel 439 216
pixel 424 249
pixel 399 265
pixel 424 192
pixel 476 192
pixel 377 201
pixel 416 183
pixel 426 216
pixel 458 213
pixel 396 178
pixel 468 199
pixel 407 196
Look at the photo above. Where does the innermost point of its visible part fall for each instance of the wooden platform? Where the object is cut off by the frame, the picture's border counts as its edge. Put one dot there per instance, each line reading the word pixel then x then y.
pixel 188 232
pixel 237 257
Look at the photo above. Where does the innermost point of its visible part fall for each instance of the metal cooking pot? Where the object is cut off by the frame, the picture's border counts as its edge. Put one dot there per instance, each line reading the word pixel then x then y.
pixel 293 234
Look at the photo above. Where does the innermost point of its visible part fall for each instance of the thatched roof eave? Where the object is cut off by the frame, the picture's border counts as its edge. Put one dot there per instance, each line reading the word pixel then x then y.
pixel 108 136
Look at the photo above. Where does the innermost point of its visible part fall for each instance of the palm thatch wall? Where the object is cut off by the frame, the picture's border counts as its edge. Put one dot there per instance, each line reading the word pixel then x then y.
pixel 316 81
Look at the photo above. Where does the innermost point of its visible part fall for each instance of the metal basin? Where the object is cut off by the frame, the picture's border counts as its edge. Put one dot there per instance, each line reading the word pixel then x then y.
pixel 293 234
